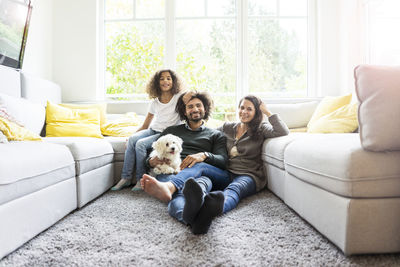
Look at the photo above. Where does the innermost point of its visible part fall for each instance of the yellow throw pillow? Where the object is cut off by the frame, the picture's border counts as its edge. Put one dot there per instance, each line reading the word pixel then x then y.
pixel 14 132
pixel 124 126
pixel 63 121
pixel 327 105
pixel 342 120
pixel 102 107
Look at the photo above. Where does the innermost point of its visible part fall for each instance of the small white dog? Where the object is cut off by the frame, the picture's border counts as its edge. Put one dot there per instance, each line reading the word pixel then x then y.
pixel 167 147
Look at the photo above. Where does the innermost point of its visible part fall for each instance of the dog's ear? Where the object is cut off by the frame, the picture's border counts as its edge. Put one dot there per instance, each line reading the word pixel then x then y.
pixel 179 140
pixel 158 145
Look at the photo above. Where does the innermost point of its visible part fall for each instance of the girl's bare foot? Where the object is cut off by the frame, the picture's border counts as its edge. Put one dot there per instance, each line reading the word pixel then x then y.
pixel 160 190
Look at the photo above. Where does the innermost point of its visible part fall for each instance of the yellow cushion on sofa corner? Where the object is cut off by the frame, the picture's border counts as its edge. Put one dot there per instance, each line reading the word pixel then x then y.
pixel 124 126
pixel 64 121
pixel 15 132
pixel 329 104
pixel 102 107
pixel 342 120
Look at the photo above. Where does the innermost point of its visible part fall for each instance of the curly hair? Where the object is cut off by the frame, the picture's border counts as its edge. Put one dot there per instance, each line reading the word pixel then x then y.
pixel 204 97
pixel 254 124
pixel 153 87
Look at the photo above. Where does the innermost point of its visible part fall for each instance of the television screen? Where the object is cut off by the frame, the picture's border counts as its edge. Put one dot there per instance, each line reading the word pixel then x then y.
pixel 14 23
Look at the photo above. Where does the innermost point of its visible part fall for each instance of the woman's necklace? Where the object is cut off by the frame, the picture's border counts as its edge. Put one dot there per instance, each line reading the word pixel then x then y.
pixel 241 130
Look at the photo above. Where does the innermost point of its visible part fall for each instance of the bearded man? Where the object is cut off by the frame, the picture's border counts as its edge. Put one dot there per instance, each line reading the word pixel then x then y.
pixel 203 151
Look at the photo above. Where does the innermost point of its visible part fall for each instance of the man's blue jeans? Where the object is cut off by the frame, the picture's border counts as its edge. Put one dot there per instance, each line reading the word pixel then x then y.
pixel 242 186
pixel 219 178
pixel 136 153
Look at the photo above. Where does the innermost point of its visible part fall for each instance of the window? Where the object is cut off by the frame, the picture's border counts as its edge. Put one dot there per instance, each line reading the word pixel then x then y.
pixel 229 48
pixel 384 43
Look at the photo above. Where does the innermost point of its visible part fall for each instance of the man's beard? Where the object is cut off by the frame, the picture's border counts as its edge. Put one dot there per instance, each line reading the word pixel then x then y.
pixel 199 118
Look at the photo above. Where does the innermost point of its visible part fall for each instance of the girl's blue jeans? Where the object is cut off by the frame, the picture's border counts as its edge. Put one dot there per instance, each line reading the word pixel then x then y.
pixel 136 153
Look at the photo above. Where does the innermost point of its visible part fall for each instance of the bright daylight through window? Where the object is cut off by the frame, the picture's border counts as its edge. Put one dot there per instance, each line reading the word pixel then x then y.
pixel 229 48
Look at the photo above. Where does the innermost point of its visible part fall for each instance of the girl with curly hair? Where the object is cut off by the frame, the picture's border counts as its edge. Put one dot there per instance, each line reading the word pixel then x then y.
pixel 164 88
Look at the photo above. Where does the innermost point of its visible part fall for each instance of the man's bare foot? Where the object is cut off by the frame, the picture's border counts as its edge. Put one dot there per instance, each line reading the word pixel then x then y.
pixel 157 189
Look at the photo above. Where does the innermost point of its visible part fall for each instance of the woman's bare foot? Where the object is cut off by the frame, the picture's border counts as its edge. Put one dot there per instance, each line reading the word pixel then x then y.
pixel 160 190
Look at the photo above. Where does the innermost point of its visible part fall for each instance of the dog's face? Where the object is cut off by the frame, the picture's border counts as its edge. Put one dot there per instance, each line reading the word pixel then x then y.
pixel 168 146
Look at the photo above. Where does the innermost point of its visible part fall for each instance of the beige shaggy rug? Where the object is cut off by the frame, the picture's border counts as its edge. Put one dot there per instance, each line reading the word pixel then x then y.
pixel 130 229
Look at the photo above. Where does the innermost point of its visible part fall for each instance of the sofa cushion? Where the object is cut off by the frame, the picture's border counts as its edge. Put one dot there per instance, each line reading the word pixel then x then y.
pixel 378 90
pixel 101 107
pixel 15 132
pixel 3 138
pixel 122 125
pixel 294 115
pixel 119 145
pixel 342 120
pixel 26 167
pixel 274 148
pixel 339 164
pixel 328 105
pixel 62 121
pixel 89 153
pixel 29 114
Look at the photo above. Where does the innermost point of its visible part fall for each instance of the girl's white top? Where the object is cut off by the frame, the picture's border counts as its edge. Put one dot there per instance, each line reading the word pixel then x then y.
pixel 164 114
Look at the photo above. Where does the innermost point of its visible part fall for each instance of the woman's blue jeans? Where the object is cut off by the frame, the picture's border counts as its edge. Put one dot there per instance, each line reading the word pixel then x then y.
pixel 136 153
pixel 242 186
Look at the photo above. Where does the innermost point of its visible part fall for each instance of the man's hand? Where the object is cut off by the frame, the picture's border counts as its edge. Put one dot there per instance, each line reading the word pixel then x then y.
pixel 154 161
pixel 190 160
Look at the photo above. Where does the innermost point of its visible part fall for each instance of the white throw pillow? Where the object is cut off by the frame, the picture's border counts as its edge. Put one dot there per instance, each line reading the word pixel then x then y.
pixel 28 114
pixel 3 138
pixel 294 115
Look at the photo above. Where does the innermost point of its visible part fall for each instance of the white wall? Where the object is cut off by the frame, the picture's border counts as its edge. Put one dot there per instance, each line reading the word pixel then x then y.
pixel 74 49
pixel 38 59
pixel 61 46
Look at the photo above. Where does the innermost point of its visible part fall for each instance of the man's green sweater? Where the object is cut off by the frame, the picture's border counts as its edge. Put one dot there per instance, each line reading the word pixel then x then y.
pixel 203 139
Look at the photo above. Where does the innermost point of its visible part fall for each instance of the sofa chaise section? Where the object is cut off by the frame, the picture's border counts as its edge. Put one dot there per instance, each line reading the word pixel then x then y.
pixel 350 195
pixel 37 188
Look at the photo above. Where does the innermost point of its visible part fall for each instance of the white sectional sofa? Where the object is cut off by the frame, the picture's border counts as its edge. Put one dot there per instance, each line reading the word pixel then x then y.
pixel 350 195
pixel 41 182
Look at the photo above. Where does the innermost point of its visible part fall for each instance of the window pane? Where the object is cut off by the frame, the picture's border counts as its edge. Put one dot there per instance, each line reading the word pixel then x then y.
pixel 189 8
pixel 134 51
pixel 262 7
pixel 119 9
pixel 278 57
pixel 385 46
pixel 150 8
pixel 384 8
pixel 206 58
pixel 221 8
pixel 293 7
pixel 384 20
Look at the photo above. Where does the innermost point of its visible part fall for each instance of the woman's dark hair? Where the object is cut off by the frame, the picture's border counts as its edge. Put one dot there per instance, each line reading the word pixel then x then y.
pixel 204 97
pixel 254 124
pixel 153 87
